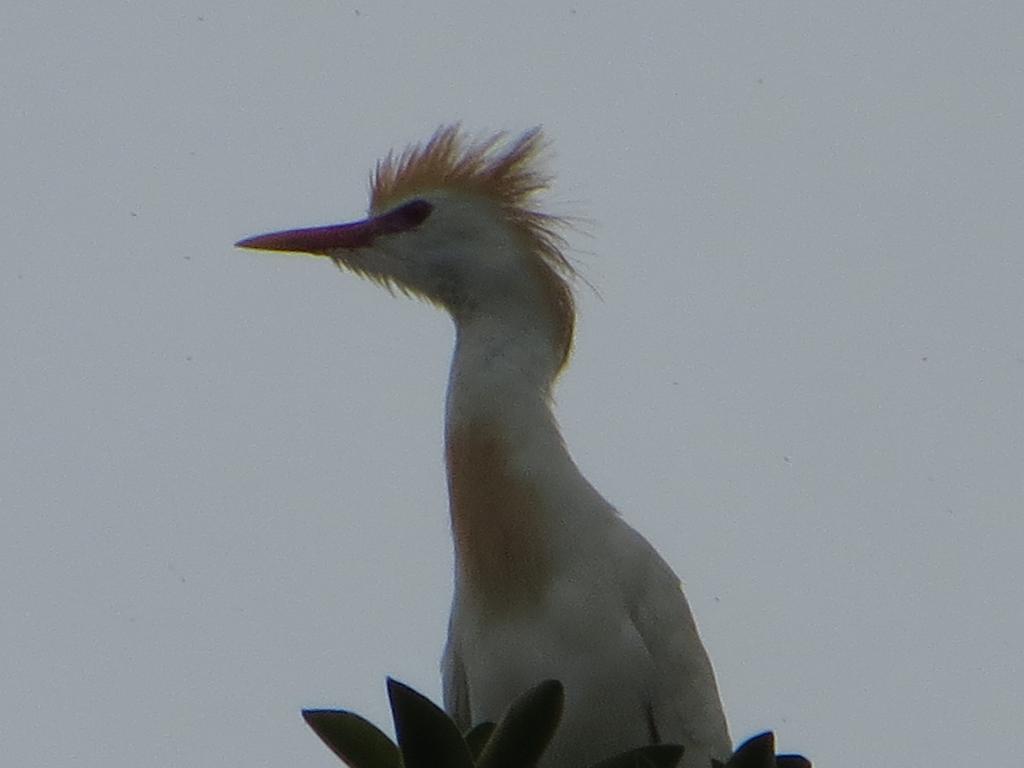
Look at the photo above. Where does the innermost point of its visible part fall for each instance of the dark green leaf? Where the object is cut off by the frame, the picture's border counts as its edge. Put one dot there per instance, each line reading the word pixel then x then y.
pixel 427 737
pixel 756 752
pixel 652 756
pixel 358 742
pixel 477 736
pixel 792 761
pixel 524 732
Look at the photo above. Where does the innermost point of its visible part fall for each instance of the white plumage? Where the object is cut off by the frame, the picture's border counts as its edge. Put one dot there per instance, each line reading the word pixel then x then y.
pixel 550 582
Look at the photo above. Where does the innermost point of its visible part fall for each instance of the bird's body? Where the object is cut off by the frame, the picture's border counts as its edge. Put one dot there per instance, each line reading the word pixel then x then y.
pixel 549 580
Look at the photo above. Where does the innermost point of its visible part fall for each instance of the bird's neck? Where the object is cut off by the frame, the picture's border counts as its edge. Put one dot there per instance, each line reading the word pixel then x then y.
pixel 505 457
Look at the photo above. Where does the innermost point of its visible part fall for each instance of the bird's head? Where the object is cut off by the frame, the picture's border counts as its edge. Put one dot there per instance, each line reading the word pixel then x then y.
pixel 452 221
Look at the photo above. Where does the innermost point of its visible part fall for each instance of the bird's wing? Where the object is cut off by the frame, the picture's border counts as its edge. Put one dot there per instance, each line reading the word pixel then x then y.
pixel 684 705
pixel 453 682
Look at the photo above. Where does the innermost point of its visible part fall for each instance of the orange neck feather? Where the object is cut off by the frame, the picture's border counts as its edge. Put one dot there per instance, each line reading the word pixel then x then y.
pixel 495 516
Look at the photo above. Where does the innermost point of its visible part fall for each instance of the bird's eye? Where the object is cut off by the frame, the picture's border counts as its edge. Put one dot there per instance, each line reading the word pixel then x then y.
pixel 407 216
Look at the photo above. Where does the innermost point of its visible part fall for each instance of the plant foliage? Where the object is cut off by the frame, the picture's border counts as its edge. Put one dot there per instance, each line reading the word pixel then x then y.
pixel 427 737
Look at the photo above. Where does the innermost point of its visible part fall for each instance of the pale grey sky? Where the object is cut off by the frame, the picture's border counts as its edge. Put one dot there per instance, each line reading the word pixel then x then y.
pixel 221 490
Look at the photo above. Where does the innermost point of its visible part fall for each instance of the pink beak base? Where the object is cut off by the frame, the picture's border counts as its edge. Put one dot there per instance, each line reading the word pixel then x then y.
pixel 317 240
pixel 342 237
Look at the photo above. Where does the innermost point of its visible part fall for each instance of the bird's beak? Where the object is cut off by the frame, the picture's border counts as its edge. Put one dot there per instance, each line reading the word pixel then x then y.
pixel 318 240
pixel 324 241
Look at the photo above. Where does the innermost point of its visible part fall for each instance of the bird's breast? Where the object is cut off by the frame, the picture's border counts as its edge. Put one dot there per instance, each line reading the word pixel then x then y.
pixel 582 638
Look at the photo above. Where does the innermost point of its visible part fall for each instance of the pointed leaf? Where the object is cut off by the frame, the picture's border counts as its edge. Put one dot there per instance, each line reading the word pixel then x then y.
pixel 357 741
pixel 477 736
pixel 756 752
pixel 427 737
pixel 651 756
pixel 792 761
pixel 525 730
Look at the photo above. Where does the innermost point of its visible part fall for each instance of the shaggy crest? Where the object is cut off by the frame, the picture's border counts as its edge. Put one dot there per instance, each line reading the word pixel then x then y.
pixel 507 173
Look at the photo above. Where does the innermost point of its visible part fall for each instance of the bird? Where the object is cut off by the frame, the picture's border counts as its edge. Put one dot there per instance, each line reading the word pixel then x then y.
pixel 550 582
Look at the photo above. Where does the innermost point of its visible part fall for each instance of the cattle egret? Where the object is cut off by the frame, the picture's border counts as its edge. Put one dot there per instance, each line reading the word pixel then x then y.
pixel 549 580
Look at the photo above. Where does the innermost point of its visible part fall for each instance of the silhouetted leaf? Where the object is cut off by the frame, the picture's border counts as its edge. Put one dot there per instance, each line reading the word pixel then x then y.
pixel 358 742
pixel 651 756
pixel 756 752
pixel 525 730
pixel 427 737
pixel 792 761
pixel 477 736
